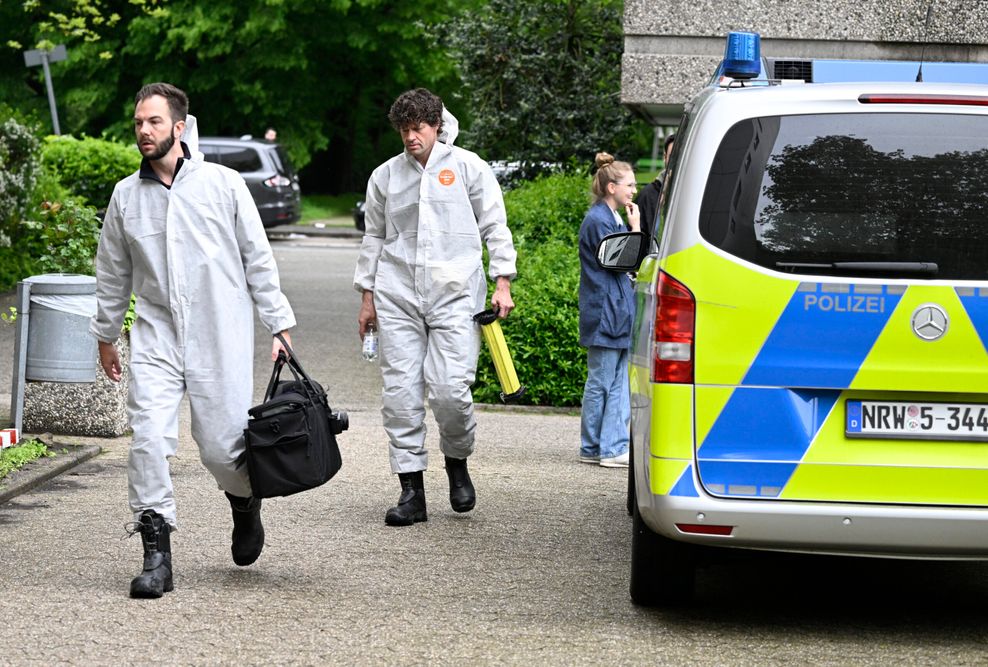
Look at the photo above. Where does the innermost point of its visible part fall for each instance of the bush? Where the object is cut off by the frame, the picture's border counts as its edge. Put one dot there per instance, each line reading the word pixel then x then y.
pixel 19 170
pixel 43 229
pixel 543 333
pixel 67 232
pixel 89 167
pixel 548 208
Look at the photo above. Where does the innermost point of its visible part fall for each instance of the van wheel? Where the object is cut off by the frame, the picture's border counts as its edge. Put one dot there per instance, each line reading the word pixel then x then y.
pixel 663 571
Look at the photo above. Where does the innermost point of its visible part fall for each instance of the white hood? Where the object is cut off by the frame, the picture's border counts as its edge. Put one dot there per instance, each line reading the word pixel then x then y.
pixel 191 133
pixel 451 128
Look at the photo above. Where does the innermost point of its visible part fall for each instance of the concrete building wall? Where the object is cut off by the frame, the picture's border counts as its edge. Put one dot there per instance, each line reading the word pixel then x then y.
pixel 671 47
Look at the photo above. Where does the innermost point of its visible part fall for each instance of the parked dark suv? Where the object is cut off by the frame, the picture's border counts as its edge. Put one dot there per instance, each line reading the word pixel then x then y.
pixel 268 173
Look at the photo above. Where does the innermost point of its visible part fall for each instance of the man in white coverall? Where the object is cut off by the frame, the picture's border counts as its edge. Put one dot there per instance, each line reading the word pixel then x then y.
pixel 420 270
pixel 185 237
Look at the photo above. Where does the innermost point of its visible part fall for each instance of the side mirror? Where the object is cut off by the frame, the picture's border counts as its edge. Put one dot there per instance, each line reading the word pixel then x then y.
pixel 623 251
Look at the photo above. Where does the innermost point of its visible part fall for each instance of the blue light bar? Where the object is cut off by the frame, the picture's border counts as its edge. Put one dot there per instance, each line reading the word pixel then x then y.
pixel 742 57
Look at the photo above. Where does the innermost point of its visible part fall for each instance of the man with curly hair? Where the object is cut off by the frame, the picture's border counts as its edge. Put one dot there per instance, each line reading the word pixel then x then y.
pixel 421 274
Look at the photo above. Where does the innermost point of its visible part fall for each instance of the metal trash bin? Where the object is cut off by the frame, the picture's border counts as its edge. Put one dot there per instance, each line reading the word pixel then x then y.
pixel 59 346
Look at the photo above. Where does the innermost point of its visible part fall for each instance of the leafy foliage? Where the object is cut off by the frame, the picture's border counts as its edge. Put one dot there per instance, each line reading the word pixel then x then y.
pixel 15 265
pixel 543 80
pixel 19 170
pixel 42 228
pixel 536 81
pixel 551 207
pixel 322 73
pixel 68 234
pixel 89 167
pixel 543 332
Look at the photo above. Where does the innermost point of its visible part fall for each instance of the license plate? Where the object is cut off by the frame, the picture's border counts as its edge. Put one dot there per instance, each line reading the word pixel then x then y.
pixel 915 420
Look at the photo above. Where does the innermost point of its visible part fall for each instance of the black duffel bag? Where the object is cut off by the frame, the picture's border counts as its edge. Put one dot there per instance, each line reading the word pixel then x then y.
pixel 291 435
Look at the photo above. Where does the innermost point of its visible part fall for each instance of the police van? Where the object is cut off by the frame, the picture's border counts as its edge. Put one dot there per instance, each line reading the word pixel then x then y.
pixel 809 369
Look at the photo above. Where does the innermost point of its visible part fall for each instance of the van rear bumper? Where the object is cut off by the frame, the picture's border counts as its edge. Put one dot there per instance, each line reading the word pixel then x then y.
pixel 898 531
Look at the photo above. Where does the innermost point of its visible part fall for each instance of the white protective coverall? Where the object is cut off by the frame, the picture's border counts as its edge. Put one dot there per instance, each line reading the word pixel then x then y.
pixel 198 259
pixel 421 255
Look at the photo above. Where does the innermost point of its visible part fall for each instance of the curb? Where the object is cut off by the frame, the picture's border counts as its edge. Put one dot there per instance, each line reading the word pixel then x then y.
pixel 311 230
pixel 530 409
pixel 45 469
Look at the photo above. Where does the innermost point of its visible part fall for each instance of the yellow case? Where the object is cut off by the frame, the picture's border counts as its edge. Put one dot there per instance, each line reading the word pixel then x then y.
pixel 490 327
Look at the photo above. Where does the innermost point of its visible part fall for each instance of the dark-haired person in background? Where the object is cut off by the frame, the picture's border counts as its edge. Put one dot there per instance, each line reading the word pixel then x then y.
pixel 421 274
pixel 185 237
pixel 648 199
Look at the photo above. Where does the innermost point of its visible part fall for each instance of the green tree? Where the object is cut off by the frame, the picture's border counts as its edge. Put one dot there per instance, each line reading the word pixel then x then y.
pixel 94 32
pixel 322 73
pixel 542 79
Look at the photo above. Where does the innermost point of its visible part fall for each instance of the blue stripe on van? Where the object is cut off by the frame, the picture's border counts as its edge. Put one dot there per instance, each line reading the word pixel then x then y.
pixel 685 485
pixel 767 424
pixel 823 336
pixel 745 478
pixel 975 302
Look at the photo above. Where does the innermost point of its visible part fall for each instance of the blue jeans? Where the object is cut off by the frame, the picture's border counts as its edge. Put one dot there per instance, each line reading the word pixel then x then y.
pixel 606 404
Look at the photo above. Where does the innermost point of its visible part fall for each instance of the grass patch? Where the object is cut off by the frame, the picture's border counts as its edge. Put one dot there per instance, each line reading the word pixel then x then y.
pixel 12 458
pixel 326 207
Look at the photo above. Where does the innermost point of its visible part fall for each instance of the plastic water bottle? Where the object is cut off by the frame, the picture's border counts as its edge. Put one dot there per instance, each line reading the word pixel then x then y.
pixel 369 351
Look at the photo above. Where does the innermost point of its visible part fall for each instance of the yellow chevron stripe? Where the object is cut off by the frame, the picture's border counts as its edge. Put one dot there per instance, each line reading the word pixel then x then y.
pixel 664 473
pixel 888 484
pixel 957 362
pixel 672 421
pixel 737 308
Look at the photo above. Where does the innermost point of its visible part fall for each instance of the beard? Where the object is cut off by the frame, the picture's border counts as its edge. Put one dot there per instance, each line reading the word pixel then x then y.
pixel 161 148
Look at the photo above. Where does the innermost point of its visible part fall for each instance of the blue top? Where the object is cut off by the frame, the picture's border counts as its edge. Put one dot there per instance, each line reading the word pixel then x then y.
pixel 607 300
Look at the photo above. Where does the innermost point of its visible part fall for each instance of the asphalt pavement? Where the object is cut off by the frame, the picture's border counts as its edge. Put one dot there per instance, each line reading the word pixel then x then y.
pixel 334 584
pixel 537 574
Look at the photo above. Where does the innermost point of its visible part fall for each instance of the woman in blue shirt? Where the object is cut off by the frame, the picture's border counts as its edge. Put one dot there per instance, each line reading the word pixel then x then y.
pixel 607 311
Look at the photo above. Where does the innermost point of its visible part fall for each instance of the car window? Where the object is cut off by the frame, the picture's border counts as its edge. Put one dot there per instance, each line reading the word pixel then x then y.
pixel 671 170
pixel 282 163
pixel 240 158
pixel 802 193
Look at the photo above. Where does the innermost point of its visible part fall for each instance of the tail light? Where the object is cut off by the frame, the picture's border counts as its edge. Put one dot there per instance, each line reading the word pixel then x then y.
pixel 278 181
pixel 675 318
pixel 704 529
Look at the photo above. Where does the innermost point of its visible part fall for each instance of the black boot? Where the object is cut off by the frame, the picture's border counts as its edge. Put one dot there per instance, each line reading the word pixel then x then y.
pixel 411 502
pixel 462 496
pixel 248 533
pixel 156 579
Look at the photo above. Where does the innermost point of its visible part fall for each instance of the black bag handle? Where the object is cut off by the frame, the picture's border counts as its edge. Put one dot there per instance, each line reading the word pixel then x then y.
pixel 279 363
pixel 295 367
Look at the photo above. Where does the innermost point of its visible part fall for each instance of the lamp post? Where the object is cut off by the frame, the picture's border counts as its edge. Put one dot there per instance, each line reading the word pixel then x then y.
pixel 42 57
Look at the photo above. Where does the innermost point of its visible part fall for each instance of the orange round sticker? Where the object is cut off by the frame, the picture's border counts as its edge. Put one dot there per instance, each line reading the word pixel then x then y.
pixel 447 177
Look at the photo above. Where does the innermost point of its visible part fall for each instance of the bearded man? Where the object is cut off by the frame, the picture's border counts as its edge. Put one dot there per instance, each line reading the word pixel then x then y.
pixel 185 237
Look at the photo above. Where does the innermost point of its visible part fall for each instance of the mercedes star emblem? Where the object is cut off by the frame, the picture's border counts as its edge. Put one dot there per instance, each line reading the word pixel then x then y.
pixel 930 321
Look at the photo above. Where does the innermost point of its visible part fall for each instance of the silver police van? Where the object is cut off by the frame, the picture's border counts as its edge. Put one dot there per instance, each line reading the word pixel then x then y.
pixel 809 368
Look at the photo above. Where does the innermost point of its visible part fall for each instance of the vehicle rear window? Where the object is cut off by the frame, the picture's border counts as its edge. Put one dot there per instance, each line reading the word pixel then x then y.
pixel 874 195
pixel 243 159
pixel 282 163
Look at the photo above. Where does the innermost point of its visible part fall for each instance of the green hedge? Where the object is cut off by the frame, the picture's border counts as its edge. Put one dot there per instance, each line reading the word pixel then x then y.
pixel 43 227
pixel 89 167
pixel 543 332
pixel 549 208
